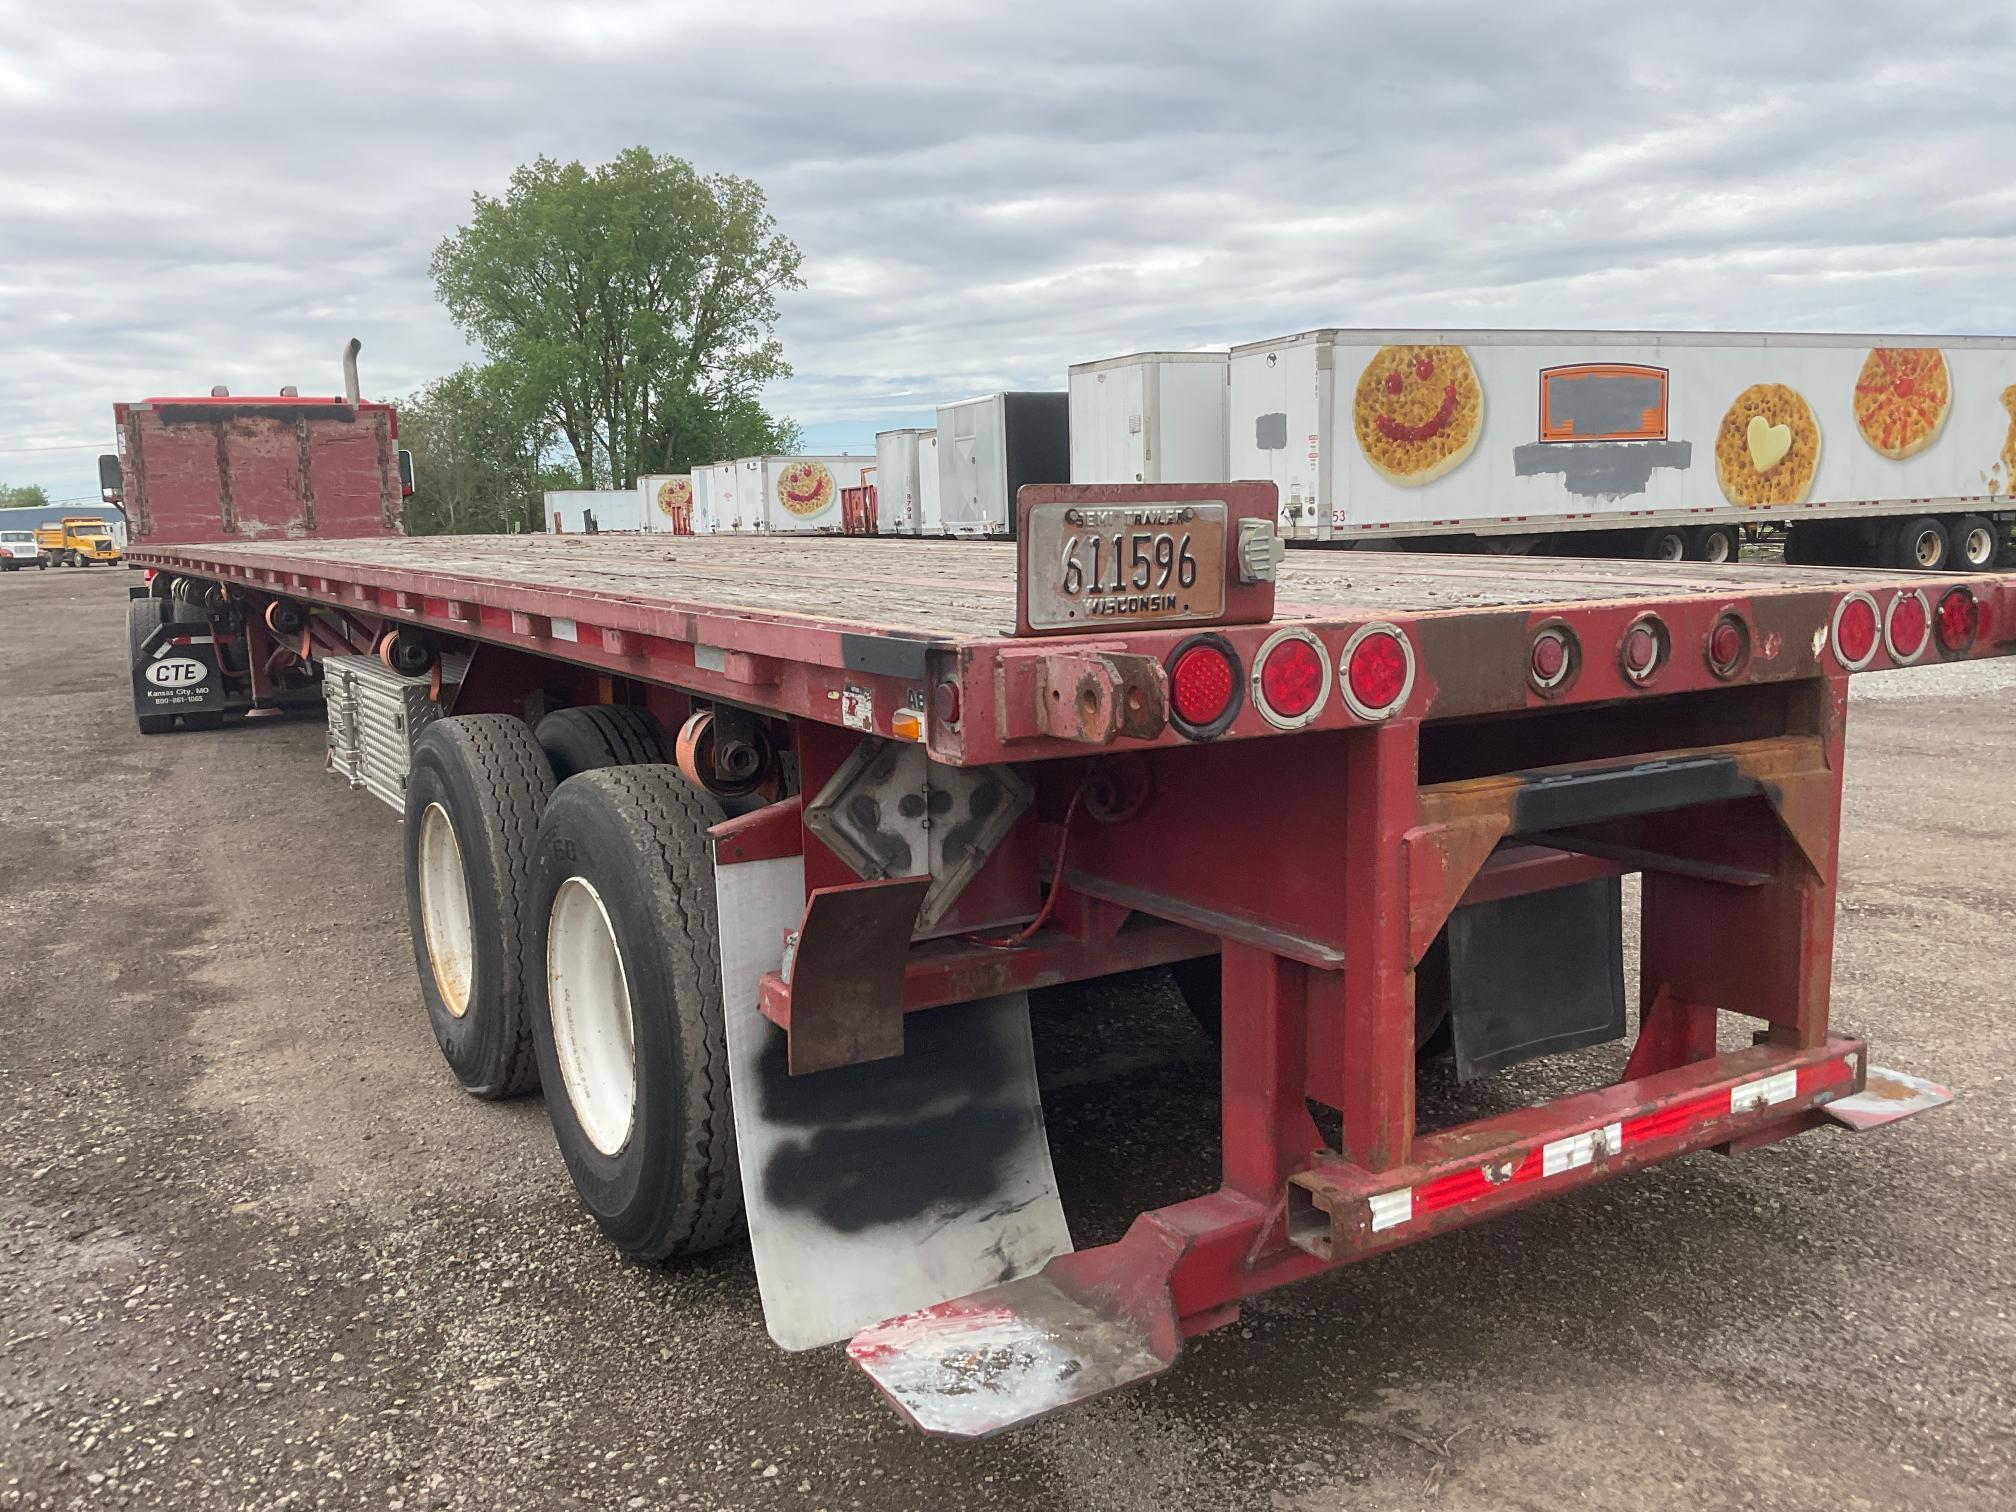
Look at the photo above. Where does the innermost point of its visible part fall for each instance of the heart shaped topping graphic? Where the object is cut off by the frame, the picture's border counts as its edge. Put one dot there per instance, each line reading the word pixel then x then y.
pixel 1768 443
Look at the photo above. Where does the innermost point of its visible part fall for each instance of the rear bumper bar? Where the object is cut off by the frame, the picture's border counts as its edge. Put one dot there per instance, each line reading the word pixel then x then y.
pixel 1338 1212
pixel 1095 1320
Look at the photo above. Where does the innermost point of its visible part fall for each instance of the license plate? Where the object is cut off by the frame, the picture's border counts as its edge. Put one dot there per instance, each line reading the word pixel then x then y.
pixel 1092 566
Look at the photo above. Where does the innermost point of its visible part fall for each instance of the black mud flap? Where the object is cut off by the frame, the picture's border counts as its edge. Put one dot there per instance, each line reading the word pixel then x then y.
pixel 1535 975
pixel 177 674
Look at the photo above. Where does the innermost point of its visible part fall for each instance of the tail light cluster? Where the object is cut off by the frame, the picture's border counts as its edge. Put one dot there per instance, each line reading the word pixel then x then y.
pixel 1554 659
pixel 1290 681
pixel 1644 649
pixel 1378 670
pixel 1959 621
pixel 1204 687
pixel 1906 628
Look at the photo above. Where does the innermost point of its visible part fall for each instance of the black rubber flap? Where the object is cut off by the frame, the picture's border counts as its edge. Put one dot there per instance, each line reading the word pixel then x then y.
pixel 1536 975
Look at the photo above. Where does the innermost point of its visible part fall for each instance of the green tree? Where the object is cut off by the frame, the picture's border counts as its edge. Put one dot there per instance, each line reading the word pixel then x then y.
pixel 22 495
pixel 478 458
pixel 632 304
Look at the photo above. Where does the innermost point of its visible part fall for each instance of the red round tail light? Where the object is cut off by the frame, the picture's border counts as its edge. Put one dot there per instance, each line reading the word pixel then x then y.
pixel 1855 631
pixel 1643 649
pixel 1959 621
pixel 1728 646
pixel 1551 663
pixel 1291 679
pixel 1204 691
pixel 1378 670
pixel 1907 630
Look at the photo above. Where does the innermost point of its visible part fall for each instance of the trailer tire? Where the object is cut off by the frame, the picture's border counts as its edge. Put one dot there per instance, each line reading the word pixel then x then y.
pixel 1976 543
pixel 477 787
pixel 142 615
pixel 1916 545
pixel 601 735
pixel 621 921
pixel 1667 544
pixel 1714 543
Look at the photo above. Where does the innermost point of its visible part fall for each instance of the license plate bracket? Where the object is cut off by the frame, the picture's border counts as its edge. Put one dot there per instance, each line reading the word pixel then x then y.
pixel 1101 558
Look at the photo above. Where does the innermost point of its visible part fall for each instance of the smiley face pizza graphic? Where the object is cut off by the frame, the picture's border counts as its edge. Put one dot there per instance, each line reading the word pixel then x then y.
pixel 1768 446
pixel 805 488
pixel 1901 399
pixel 1418 412
pixel 675 497
pixel 2009 441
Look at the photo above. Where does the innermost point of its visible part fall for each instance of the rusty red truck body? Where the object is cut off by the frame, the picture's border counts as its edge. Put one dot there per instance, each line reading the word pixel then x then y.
pixel 749 851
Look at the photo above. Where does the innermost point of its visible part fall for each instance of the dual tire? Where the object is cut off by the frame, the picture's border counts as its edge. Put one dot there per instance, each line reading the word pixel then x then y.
pixel 561 899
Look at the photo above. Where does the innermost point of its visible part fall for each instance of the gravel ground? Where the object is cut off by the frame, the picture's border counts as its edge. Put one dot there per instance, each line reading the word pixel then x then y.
pixel 257 1251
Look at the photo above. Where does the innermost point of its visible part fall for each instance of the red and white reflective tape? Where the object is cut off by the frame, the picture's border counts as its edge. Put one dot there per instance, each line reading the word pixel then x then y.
pixel 1572 1152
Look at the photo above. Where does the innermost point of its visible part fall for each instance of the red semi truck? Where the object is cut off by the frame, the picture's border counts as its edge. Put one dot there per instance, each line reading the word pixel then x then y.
pixel 749 852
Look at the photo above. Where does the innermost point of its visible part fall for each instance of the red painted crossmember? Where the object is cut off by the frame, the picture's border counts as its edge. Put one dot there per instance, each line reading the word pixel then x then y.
pixel 1339 1211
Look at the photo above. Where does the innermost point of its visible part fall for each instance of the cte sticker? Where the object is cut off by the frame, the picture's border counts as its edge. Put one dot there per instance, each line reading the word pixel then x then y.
pixel 177 672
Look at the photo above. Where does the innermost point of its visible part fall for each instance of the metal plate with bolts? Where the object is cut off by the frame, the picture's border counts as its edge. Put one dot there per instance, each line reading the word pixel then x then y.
pixel 891 811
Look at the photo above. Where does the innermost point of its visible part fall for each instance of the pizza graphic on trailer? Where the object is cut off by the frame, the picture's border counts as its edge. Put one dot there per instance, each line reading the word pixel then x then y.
pixel 675 496
pixel 1418 412
pixel 1901 399
pixel 805 488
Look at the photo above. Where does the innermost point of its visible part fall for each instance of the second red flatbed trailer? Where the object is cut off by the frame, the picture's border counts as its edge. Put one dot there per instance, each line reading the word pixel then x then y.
pixel 1391 795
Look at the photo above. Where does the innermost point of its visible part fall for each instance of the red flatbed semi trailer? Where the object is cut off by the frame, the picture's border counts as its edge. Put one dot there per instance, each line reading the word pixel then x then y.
pixel 1392 795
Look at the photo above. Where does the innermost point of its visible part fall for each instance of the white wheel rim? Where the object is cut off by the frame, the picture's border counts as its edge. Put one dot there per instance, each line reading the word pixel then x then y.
pixel 594 1037
pixel 1718 547
pixel 444 910
pixel 1672 549
pixel 1928 549
pixel 1980 547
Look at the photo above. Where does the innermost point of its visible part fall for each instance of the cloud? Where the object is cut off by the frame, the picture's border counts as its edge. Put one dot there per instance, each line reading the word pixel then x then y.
pixel 210 193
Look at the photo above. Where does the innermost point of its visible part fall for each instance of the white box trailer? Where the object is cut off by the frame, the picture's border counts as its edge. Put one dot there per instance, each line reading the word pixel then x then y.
pixel 702 478
pixel 988 448
pixel 899 492
pixel 737 496
pixel 668 501
pixel 1873 448
pixel 1154 417
pixel 585 511
pixel 801 495
pixel 930 515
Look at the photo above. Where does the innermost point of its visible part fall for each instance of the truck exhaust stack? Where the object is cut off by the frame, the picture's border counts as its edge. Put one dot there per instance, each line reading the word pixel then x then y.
pixel 351 391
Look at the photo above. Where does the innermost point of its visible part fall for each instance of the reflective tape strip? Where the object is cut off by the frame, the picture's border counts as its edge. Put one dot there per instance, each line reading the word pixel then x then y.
pixel 1574 1151
pixel 1391 1208
pixel 1578 1150
pixel 1762 1093
pixel 566 629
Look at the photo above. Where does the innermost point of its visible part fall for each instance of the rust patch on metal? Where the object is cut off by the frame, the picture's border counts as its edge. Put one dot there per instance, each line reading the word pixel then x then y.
pixel 1093 696
pixel 307 484
pixel 227 507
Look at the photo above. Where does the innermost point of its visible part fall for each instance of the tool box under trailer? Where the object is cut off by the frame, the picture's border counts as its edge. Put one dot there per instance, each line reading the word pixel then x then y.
pixel 749 852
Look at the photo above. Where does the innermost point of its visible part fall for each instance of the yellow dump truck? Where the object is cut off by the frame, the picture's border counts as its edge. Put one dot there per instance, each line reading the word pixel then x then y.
pixel 79 541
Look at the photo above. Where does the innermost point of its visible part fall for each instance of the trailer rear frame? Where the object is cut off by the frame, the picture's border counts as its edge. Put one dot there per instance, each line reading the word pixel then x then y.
pixel 1320 857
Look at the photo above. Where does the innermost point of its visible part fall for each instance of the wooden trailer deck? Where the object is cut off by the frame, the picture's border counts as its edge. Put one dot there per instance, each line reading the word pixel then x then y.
pixel 953 590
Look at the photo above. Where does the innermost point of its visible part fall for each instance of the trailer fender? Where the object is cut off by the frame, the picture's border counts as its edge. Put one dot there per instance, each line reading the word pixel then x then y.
pixel 878 1188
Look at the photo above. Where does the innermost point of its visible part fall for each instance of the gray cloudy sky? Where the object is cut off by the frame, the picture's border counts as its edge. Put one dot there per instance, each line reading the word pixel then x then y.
pixel 203 192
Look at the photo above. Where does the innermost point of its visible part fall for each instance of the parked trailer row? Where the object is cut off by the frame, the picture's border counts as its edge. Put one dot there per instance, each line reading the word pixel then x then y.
pixel 1863 450
pixel 748 853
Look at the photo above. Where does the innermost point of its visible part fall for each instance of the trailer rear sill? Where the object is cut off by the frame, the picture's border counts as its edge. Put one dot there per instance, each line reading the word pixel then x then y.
pixel 1339 1211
